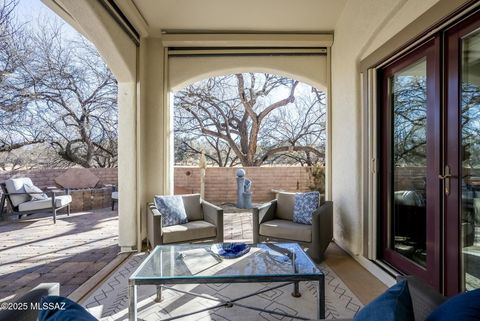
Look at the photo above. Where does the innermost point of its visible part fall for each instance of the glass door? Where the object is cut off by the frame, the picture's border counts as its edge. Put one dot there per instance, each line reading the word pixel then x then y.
pixel 462 150
pixel 410 152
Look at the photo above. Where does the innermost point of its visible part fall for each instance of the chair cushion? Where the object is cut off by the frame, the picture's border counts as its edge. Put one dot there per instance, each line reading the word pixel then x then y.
pixel 193 207
pixel 285 204
pixel 193 230
pixel 33 191
pixel 115 195
pixel 464 306
pixel 15 185
pixel 57 308
pixel 172 209
pixel 305 205
pixel 60 201
pixel 393 305
pixel 285 229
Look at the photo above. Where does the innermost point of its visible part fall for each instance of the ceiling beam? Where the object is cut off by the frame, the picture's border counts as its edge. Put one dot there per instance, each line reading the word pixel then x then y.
pixel 248 40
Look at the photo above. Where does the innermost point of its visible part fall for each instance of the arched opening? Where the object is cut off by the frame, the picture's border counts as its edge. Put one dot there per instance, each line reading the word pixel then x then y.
pixel 272 125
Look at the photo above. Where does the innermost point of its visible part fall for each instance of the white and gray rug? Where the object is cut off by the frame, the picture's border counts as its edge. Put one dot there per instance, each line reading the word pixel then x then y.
pixel 109 302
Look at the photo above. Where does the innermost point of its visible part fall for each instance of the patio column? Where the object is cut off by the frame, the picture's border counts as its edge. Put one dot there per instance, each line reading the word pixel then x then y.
pixel 119 51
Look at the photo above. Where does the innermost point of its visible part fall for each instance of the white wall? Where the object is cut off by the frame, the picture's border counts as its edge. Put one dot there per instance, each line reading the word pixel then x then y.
pixel 362 27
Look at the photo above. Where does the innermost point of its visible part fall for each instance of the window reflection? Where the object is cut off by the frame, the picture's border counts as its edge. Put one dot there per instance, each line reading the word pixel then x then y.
pixel 470 156
pixel 408 219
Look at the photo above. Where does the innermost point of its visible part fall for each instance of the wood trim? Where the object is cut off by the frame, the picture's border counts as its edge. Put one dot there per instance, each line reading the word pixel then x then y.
pixel 453 143
pixel 431 273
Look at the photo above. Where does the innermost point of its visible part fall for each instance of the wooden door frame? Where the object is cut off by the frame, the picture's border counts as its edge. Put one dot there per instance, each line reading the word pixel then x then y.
pixel 431 273
pixel 452 144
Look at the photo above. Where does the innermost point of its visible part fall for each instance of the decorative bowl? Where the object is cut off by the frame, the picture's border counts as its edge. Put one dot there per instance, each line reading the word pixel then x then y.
pixel 230 250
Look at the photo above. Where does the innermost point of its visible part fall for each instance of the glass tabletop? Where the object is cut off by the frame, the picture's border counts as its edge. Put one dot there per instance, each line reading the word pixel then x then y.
pixel 198 261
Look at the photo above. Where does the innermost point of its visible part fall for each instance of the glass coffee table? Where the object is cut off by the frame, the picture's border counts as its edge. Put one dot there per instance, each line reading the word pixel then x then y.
pixel 284 263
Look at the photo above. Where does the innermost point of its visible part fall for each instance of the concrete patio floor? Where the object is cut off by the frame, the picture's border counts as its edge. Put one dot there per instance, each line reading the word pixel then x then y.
pixel 34 250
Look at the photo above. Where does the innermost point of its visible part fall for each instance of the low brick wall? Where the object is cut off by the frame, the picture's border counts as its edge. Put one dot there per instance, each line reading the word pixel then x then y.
pixel 82 199
pixel 46 177
pixel 221 184
pixel 89 199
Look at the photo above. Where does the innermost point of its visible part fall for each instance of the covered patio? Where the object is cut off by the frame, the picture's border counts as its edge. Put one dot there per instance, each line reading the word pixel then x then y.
pixel 416 215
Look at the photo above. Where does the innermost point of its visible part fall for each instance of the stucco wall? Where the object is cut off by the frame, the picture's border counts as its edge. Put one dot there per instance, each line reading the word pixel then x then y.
pixel 361 28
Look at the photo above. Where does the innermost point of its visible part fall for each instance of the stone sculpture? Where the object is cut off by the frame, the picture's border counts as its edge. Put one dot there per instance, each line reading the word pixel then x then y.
pixel 244 195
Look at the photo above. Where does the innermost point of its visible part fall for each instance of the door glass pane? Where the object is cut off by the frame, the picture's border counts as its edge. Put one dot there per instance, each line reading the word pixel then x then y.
pixel 470 156
pixel 409 113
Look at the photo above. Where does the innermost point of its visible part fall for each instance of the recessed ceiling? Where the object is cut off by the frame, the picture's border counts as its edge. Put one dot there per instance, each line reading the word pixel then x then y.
pixel 241 15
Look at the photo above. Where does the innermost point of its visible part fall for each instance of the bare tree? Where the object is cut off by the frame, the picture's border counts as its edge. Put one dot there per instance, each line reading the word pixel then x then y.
pixel 69 104
pixel 410 116
pixel 241 119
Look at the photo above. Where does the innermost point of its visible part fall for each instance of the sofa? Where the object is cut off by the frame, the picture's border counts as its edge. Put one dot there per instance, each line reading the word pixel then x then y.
pixel 424 298
pixel 21 203
pixel 26 301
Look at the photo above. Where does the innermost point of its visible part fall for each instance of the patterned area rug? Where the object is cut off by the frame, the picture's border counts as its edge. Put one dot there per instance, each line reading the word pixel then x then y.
pixel 109 302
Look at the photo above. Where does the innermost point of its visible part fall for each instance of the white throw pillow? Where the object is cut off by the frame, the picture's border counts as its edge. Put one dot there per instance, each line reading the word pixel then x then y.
pixel 33 189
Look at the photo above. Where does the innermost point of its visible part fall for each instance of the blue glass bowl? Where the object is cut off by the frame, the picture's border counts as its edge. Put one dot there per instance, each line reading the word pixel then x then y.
pixel 230 250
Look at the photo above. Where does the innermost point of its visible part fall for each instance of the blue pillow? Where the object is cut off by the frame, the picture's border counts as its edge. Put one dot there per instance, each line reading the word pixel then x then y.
pixel 305 205
pixel 172 209
pixel 465 307
pixel 57 308
pixel 393 305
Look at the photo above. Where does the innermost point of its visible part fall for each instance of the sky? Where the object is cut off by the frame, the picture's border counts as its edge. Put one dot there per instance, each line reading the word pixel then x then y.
pixel 33 11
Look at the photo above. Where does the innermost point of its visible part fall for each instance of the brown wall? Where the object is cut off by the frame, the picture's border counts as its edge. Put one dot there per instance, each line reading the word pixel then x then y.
pixel 220 183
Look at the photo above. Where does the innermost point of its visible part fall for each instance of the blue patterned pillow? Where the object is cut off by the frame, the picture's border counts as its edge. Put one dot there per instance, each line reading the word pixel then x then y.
pixel 305 205
pixel 172 210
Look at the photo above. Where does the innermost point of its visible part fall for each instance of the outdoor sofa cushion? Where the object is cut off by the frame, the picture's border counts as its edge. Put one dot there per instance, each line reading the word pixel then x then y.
pixel 395 304
pixel 285 204
pixel 288 230
pixel 190 231
pixel 193 207
pixel 33 191
pixel 172 209
pixel 464 306
pixel 60 201
pixel 305 205
pixel 57 308
pixel 15 185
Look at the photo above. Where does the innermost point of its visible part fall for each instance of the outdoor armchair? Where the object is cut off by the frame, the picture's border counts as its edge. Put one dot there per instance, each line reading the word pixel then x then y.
pixel 20 202
pixel 273 221
pixel 205 222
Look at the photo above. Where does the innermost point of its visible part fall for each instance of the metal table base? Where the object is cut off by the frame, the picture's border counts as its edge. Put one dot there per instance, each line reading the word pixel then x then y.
pixel 132 297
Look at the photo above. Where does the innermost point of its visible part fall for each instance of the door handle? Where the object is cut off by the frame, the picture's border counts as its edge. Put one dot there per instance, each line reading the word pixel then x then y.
pixel 446 179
